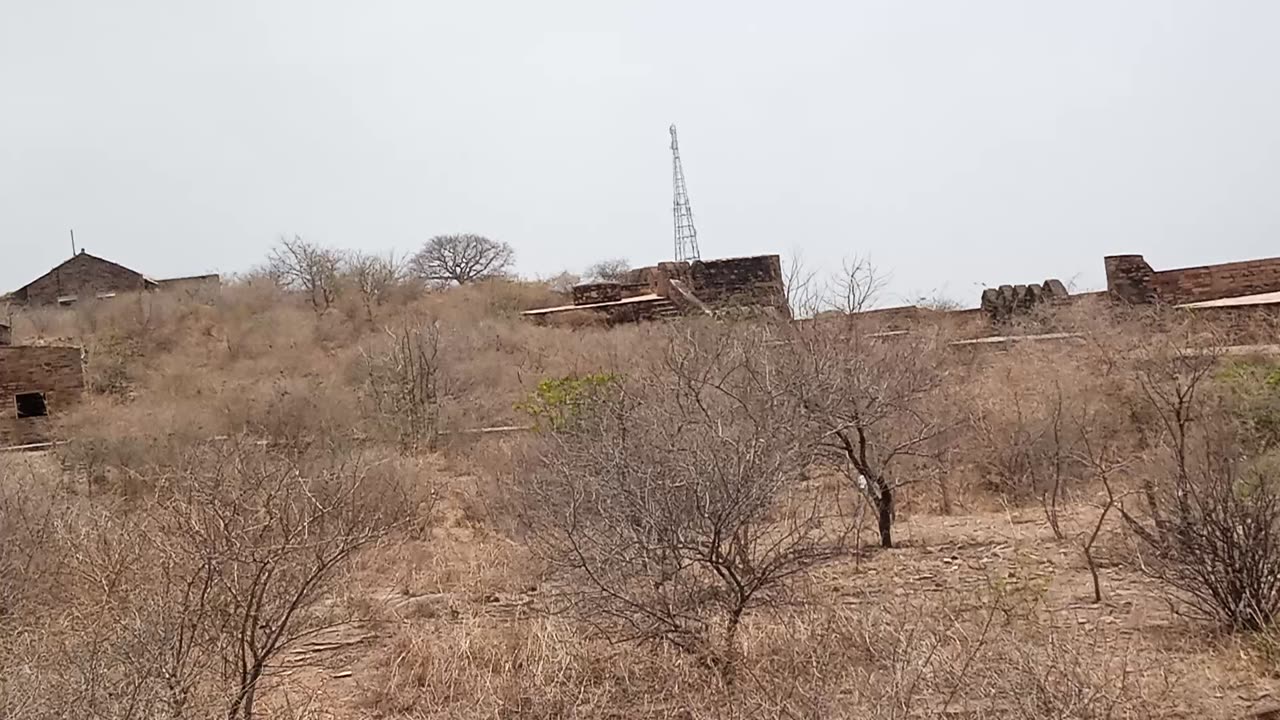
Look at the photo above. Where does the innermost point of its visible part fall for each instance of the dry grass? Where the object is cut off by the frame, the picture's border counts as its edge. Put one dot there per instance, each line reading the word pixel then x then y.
pixel 983 611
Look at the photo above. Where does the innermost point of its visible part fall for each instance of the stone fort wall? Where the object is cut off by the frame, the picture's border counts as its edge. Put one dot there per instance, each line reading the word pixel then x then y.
pixel 1131 278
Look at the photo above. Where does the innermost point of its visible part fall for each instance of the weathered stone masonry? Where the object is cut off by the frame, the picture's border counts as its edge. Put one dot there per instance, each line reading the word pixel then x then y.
pixel 56 374
pixel 744 282
pixel 86 277
pixel 1130 278
pixel 669 289
pixel 81 278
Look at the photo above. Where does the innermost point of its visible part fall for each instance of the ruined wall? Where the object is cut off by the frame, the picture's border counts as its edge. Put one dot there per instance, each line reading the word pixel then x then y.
pixel 6 335
pixel 1008 302
pixel 591 293
pixel 599 292
pixel 57 372
pixel 725 284
pixel 197 286
pixel 1131 278
pixel 884 320
pixel 83 276
pixel 755 281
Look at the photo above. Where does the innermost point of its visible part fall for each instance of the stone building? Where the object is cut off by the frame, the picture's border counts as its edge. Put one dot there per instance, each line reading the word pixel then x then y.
pixel 671 289
pixel 36 384
pixel 87 277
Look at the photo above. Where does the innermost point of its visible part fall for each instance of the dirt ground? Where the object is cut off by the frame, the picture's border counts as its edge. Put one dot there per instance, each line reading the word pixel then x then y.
pixel 941 561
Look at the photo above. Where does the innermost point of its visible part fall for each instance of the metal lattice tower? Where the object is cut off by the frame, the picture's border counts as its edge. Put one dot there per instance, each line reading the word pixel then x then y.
pixel 686 234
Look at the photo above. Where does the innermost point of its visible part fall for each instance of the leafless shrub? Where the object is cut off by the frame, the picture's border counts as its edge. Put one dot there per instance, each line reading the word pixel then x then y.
pixel 1026 444
pixel 402 383
pixel 611 270
pixel 800 283
pixel 300 265
pixel 680 500
pixel 256 542
pixel 1212 505
pixel 181 601
pixel 855 287
pixel 461 259
pixel 563 282
pixel 374 277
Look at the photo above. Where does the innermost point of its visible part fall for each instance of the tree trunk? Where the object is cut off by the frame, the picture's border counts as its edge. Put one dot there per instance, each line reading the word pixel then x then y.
pixel 884 507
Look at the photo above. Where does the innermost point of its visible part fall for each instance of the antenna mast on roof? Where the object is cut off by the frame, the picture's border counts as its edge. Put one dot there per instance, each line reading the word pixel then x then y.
pixel 686 235
pixel 73 242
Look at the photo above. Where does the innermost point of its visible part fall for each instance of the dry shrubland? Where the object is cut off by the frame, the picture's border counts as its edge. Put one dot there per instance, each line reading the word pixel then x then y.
pixel 274 503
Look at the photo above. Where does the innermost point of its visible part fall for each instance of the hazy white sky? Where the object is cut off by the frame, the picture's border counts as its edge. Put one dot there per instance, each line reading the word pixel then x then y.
pixel 957 144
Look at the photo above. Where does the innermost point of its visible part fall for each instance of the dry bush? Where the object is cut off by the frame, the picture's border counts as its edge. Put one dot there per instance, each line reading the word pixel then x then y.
pixel 181 599
pixel 677 498
pixel 314 270
pixel 1211 512
pixel 402 384
pixel 374 278
pixel 611 270
pixel 1030 414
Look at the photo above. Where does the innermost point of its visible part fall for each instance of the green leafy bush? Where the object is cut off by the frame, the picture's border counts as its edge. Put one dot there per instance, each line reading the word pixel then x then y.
pixel 559 402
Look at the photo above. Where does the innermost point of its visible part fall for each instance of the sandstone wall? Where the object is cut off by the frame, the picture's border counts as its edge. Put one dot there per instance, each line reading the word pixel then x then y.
pixel 57 372
pixel 740 282
pixel 747 282
pixel 591 293
pixel 196 286
pixel 1132 279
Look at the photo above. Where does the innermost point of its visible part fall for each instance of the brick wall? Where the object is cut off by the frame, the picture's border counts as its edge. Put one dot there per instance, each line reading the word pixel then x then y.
pixel 57 372
pixel 83 276
pixel 1132 279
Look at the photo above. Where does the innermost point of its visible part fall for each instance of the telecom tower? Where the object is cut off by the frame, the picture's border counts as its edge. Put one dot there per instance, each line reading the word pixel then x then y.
pixel 686 235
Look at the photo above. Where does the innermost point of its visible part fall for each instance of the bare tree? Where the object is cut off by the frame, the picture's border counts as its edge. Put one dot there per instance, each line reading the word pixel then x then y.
pixel 403 382
pixel 563 282
pixel 612 270
pixel 873 410
pixel 300 265
pixel 855 287
pixel 800 284
pixel 462 258
pixel 374 277
pixel 681 500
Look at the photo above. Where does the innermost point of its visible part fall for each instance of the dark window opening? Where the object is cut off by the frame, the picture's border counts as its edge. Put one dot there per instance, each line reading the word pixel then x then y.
pixel 31 405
